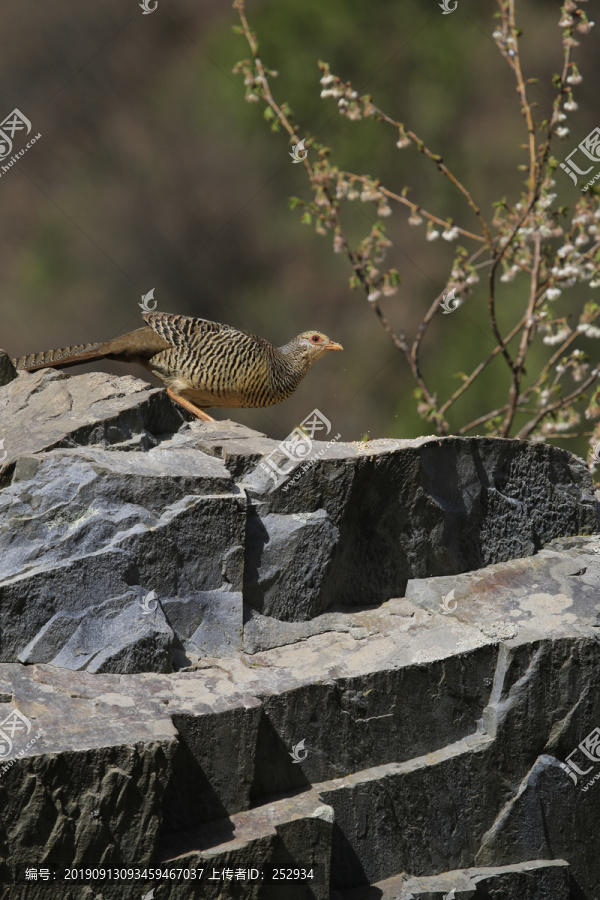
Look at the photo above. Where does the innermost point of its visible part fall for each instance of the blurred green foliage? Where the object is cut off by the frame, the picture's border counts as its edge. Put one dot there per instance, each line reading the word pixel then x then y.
pixel 153 170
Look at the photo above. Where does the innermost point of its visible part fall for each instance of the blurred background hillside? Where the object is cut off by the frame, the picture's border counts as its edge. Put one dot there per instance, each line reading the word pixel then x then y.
pixel 153 172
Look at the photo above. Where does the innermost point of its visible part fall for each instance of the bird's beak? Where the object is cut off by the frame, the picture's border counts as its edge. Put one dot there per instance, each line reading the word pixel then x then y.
pixel 333 346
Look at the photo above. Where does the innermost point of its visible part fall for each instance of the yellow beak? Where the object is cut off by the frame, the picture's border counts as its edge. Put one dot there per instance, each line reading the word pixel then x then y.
pixel 333 346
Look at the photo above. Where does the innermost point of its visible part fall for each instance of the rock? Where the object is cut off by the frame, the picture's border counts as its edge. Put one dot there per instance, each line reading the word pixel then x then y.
pixel 547 812
pixel 7 370
pixel 409 509
pixel 106 499
pixel 536 596
pixel 287 563
pixel 532 880
pixel 95 524
pixel 46 409
pixel 404 746
pixel 293 833
pixel 419 746
pixel 110 637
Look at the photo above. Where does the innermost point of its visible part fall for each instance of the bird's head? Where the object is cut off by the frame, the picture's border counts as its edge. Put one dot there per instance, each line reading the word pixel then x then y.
pixel 309 346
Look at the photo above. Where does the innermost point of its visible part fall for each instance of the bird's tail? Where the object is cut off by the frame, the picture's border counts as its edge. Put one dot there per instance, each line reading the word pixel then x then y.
pixel 138 345
pixel 60 359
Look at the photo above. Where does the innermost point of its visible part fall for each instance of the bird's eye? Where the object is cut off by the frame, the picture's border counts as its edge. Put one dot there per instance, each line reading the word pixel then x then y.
pixel 315 338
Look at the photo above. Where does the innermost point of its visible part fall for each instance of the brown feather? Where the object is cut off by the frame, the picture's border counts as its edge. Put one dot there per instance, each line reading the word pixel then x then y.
pixel 209 364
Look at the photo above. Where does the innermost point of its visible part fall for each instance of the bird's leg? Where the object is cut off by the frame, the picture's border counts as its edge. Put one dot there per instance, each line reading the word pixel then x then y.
pixel 199 413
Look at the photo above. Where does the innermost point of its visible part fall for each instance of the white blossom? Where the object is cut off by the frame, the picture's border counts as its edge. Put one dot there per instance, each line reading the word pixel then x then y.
pixel 588 330
pixel 584 27
pixel 509 275
pixel 450 234
pixel 557 338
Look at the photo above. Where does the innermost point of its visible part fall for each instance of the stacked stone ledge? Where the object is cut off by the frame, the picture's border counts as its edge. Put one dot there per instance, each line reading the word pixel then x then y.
pixel 174 629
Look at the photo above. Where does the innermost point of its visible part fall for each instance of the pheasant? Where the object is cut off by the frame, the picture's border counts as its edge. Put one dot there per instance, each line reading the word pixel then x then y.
pixel 204 364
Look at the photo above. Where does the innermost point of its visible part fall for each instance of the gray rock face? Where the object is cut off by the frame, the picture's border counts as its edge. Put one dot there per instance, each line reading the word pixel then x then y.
pixel 109 497
pixel 47 409
pixel 409 750
pixel 402 746
pixel 86 535
pixel 409 509
pixel 287 564
pixel 7 370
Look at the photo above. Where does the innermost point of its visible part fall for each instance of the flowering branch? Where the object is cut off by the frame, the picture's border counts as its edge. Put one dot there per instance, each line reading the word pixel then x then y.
pixel 526 238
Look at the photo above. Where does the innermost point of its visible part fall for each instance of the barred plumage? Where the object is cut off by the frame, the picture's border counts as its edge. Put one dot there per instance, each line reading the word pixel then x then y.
pixel 204 364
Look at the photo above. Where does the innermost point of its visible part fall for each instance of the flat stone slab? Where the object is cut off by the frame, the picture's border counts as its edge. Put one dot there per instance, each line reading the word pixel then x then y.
pixel 534 880
pixel 554 590
pixel 295 832
pixel 46 409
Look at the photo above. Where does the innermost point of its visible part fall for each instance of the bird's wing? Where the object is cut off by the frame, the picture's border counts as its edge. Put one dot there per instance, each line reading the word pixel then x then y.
pixel 189 330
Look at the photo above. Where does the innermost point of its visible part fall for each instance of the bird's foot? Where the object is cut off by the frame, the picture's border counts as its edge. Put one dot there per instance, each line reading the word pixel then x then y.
pixel 198 413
